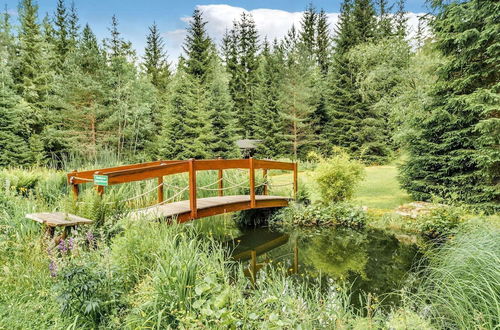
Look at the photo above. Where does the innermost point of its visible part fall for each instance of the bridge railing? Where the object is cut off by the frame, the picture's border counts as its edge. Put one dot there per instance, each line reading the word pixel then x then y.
pixel 158 169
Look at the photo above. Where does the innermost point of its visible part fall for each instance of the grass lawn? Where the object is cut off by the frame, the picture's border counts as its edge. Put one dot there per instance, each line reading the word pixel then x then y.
pixel 379 190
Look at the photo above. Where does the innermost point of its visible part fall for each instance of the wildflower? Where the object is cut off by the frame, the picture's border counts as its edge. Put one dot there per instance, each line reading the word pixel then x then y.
pixel 90 237
pixel 62 246
pixel 53 268
pixel 71 243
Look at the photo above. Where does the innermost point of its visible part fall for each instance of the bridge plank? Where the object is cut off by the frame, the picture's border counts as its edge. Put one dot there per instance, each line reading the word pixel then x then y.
pixel 217 204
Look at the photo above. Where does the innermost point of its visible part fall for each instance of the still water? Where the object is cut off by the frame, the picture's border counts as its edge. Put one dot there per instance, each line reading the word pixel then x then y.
pixel 366 261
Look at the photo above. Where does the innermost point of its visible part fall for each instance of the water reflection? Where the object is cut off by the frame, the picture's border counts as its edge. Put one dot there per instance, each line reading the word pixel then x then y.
pixel 368 261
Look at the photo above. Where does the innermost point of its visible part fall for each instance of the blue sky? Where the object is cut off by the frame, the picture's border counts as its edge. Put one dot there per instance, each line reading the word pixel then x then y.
pixel 171 16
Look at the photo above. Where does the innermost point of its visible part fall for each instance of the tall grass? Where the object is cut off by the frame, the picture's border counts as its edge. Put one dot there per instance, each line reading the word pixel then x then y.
pixel 462 281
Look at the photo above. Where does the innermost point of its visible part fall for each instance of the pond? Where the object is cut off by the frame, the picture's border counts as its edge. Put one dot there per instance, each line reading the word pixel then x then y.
pixel 365 261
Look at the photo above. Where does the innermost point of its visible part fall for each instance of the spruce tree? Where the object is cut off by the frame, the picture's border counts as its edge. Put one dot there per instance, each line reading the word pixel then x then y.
pixel 198 48
pixel 384 20
pixel 270 128
pixel 155 59
pixel 323 42
pixel 30 56
pixel 61 23
pixel 241 49
pixel 308 29
pixel 116 45
pixel 221 114
pixel 187 130
pixel 299 102
pixel 15 113
pixel 454 154
pixel 73 26
pixel 351 123
pixel 400 20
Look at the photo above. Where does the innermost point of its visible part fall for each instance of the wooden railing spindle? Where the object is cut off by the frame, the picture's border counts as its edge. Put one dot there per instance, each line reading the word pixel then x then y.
pixel 252 183
pixel 192 189
pixel 160 189
pixel 221 182
pixel 264 174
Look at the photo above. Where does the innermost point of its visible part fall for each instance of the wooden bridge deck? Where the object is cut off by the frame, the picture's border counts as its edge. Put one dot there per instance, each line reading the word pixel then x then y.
pixel 209 206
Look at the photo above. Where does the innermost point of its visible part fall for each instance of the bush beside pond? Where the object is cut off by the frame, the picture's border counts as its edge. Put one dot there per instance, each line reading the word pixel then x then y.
pixel 338 214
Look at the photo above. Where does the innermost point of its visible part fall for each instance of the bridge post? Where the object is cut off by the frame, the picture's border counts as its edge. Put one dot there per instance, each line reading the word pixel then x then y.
pixel 74 186
pixel 252 183
pixel 295 180
pixel 192 189
pixel 221 183
pixel 160 189
pixel 264 174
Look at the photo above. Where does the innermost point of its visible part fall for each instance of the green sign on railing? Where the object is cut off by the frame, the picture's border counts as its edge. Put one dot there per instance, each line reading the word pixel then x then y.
pixel 100 180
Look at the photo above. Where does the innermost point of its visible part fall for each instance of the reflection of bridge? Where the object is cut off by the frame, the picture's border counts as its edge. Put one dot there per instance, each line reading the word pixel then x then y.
pixel 258 242
pixel 194 207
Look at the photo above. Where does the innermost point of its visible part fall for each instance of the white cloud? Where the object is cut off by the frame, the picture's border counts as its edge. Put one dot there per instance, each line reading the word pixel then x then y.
pixel 270 23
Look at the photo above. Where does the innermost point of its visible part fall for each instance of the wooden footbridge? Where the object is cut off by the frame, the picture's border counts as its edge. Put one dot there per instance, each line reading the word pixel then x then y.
pixel 194 207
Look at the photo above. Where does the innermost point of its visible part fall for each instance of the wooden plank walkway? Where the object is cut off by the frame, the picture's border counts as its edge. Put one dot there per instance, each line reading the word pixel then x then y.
pixel 209 206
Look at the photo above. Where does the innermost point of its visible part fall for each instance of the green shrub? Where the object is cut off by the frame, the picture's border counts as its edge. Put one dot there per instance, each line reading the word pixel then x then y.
pixel 440 222
pixel 461 289
pixel 337 177
pixel 338 214
pixel 88 290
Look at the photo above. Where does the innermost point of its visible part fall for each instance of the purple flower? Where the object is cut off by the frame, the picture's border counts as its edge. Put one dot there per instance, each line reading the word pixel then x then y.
pixel 62 246
pixel 90 237
pixel 53 268
pixel 70 243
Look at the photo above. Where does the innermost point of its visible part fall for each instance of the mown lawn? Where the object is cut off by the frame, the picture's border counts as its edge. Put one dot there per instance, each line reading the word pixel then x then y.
pixel 380 188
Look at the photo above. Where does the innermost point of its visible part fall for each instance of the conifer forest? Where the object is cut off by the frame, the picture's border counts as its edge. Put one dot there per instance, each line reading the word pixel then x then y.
pixel 394 135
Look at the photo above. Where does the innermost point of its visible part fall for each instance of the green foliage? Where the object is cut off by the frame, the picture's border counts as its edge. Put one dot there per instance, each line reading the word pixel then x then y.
pixel 462 282
pixel 441 222
pixel 337 214
pixel 454 152
pixel 337 177
pixel 88 291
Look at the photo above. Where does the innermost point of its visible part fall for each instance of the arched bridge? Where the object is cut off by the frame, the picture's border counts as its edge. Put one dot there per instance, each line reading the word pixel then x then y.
pixel 194 207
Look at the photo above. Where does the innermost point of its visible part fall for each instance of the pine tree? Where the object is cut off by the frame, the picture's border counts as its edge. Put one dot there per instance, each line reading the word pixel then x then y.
pixel 270 125
pixel 350 119
pixel 116 45
pixel 155 59
pixel 81 95
pixel 299 102
pixel 241 49
pixel 14 122
pixel 323 42
pixel 29 62
pixel 14 112
pixel 384 20
pixel 220 112
pixel 455 151
pixel 198 48
pixel 187 131
pixel 73 26
pixel 308 30
pixel 400 20
pixel 7 41
pixel 62 38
